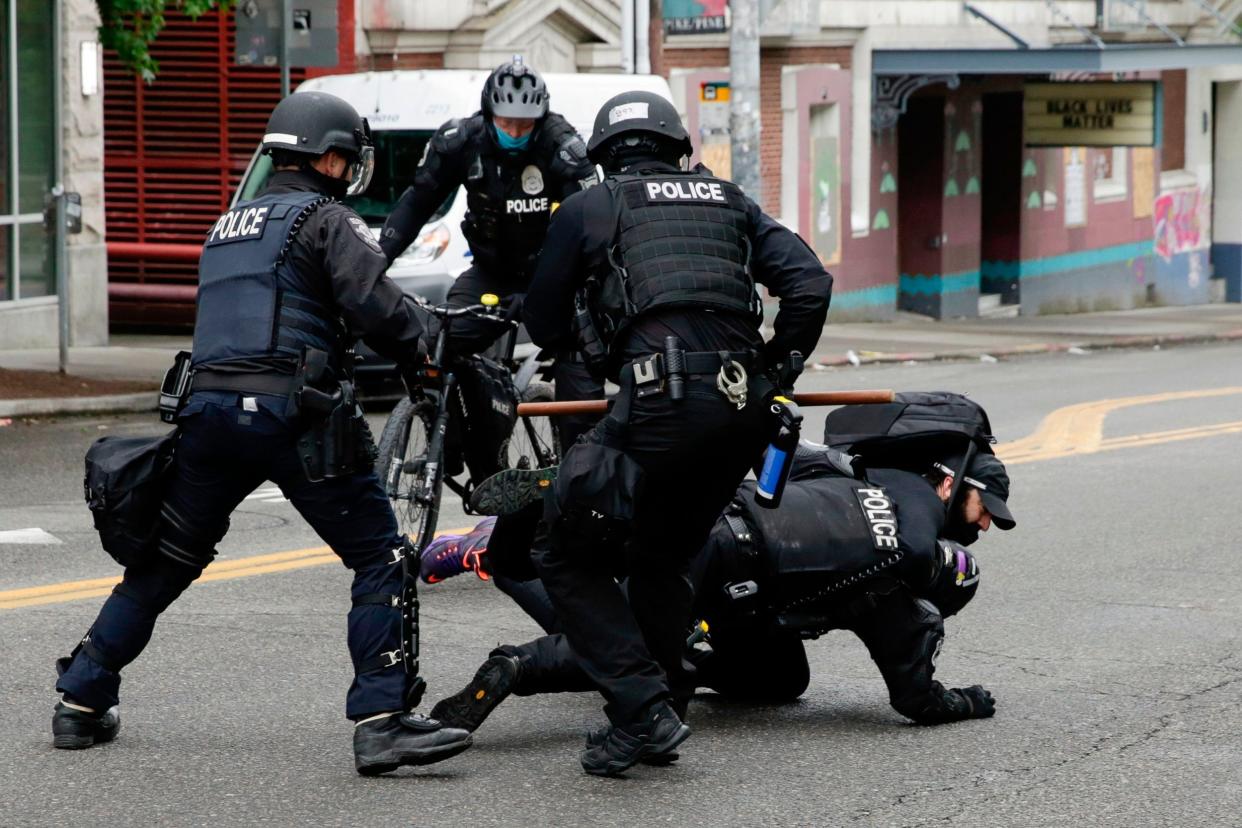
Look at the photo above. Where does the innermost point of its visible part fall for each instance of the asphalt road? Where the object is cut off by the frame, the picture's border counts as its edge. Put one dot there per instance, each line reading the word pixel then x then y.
pixel 1108 627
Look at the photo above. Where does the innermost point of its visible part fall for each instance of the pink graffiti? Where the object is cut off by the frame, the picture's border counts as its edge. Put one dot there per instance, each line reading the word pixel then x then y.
pixel 1178 222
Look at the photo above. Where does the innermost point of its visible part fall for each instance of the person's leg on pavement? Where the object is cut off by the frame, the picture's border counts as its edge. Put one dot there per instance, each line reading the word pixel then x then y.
pixel 355 519
pixel 207 485
pixel 755 664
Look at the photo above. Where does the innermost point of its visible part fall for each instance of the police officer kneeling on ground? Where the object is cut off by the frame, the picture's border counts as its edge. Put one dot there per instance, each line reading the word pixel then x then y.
pixel 287 282
pixel 665 262
pixel 768 579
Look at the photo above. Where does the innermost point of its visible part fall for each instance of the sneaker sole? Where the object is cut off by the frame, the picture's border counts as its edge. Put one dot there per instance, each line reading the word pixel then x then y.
pixel 511 490
pixel 477 708
pixel 428 756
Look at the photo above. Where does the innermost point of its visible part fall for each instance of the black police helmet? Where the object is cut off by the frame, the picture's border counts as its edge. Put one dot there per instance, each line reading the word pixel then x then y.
pixel 514 90
pixel 636 113
pixel 957 581
pixel 311 123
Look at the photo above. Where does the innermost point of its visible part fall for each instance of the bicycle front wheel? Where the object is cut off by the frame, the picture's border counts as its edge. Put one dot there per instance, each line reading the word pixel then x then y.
pixel 402 468
pixel 534 443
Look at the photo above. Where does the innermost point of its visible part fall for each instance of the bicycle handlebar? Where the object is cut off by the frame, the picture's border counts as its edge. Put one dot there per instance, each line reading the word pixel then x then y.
pixel 484 312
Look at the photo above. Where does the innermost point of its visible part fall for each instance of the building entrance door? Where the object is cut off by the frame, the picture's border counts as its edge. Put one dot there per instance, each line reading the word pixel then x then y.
pixel 28 147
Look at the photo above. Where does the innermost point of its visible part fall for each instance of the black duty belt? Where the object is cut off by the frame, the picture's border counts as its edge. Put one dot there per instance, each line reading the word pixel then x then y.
pixel 696 362
pixel 279 385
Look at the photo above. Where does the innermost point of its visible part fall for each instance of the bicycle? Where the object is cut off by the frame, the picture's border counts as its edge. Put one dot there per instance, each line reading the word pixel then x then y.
pixel 410 464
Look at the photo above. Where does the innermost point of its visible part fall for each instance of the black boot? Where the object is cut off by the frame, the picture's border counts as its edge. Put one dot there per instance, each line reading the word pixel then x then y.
pixel 511 490
pixel 658 732
pixel 468 707
pixel 382 745
pixel 76 729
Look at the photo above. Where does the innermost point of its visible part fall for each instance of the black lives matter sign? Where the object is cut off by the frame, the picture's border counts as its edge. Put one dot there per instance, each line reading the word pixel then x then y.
pixel 1094 114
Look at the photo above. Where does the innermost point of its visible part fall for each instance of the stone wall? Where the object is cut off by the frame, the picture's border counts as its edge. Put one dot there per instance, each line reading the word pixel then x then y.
pixel 82 137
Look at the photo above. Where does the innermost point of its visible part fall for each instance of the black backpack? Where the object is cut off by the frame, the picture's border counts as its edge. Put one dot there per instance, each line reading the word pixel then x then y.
pixel 124 488
pixel 916 428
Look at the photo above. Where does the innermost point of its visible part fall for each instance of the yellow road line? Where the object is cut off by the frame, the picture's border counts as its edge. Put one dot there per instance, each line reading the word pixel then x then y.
pixel 218 571
pixel 1079 429
pixel 1068 431
pixel 1133 441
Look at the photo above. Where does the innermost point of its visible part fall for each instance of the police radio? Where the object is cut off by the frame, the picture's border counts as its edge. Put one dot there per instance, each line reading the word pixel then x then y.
pixel 778 460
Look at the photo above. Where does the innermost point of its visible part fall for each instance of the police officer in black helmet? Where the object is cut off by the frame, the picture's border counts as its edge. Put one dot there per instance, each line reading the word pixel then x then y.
pixel 287 282
pixel 664 261
pixel 517 160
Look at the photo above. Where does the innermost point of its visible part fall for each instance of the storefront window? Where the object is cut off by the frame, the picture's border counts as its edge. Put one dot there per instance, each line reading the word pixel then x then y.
pixel 28 147
pixel 36 100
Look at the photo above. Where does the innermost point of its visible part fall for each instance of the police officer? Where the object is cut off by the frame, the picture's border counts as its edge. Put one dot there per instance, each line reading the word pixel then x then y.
pixel 665 261
pixel 517 161
pixel 755 589
pixel 287 282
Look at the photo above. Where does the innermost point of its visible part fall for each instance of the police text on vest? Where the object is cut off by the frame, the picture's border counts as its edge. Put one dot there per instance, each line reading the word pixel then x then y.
pixel 686 191
pixel 526 205
pixel 881 519
pixel 244 223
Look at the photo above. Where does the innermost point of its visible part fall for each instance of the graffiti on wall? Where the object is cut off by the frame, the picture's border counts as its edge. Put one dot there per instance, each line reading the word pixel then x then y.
pixel 826 199
pixel 1180 221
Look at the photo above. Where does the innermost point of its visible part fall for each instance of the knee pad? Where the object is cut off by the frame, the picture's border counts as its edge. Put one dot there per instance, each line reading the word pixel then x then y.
pixel 187 541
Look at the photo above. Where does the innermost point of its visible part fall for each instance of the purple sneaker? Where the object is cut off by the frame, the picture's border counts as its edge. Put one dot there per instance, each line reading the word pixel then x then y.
pixel 449 555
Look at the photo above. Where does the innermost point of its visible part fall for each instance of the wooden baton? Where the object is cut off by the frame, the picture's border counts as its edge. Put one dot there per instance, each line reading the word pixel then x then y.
pixel 552 409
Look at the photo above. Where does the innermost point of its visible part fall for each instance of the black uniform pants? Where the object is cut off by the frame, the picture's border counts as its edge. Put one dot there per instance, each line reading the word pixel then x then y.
pixel 223 454
pixel 693 454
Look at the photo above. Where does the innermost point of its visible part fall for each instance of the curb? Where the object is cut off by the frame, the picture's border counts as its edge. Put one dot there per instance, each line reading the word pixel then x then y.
pixel 1033 348
pixel 112 403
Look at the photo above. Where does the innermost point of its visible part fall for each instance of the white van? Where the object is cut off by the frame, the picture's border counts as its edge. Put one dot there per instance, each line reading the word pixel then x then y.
pixel 404 109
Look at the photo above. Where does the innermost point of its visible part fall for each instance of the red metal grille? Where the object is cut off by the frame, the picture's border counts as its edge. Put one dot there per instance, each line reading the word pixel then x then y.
pixel 173 154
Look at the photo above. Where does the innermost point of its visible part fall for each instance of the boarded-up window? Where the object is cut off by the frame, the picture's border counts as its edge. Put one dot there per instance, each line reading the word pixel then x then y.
pixel 1173 131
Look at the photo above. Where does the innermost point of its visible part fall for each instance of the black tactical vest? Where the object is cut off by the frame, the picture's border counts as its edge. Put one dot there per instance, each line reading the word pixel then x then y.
pixel 252 303
pixel 843 535
pixel 509 202
pixel 680 240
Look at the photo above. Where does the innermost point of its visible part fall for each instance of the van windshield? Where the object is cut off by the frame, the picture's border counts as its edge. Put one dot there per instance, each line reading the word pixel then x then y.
pixel 397 154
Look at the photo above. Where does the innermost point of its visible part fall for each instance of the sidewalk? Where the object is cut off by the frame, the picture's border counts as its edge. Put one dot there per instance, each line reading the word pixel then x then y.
pixel 917 338
pixel 143 358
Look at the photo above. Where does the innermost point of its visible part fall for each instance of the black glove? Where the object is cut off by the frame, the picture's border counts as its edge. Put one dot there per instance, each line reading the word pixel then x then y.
pixel 982 705
pixel 787 372
pixel 512 305
pixel 412 368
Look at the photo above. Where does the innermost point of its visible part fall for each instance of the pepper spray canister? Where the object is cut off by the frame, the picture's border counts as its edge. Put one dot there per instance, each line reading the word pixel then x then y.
pixel 778 460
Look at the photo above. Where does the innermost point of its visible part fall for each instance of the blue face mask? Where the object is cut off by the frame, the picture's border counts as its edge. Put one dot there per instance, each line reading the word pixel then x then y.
pixel 508 142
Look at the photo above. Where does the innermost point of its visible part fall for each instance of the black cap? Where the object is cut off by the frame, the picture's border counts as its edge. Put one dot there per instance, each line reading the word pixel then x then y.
pixel 987 474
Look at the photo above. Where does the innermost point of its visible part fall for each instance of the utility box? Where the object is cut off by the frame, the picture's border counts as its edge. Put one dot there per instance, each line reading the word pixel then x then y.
pixel 312 39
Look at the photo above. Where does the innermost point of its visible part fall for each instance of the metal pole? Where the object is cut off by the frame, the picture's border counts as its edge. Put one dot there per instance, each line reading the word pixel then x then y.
pixel 286 26
pixel 744 95
pixel 569 407
pixel 60 251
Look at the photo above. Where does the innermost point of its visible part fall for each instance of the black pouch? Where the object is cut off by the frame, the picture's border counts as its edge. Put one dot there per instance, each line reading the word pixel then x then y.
pixel 124 487
pixel 597 488
pixel 489 399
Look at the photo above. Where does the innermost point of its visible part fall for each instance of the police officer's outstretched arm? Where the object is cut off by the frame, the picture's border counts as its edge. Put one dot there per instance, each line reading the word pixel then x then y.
pixel 440 172
pixel 904 635
pixel 371 304
pixel 782 262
